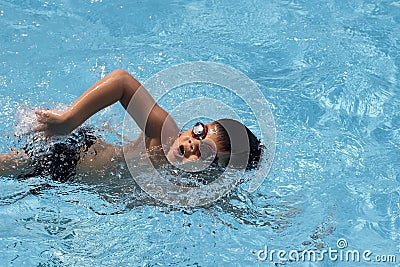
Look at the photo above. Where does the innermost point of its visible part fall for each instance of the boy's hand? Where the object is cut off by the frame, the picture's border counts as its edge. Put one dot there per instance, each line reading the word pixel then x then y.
pixel 53 122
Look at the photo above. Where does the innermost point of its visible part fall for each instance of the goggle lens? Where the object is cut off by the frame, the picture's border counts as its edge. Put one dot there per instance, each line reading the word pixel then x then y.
pixel 199 131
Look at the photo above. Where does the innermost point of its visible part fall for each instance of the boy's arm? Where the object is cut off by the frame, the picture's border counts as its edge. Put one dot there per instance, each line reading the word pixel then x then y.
pixel 117 86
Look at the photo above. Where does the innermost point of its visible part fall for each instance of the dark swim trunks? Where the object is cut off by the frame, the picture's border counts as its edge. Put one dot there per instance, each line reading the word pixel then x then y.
pixel 58 160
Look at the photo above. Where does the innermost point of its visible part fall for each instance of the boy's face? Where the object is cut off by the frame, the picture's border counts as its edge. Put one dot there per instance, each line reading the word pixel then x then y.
pixel 187 148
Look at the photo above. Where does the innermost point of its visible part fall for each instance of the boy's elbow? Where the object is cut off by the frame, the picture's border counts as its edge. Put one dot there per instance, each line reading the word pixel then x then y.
pixel 121 74
pixel 125 79
pixel 127 85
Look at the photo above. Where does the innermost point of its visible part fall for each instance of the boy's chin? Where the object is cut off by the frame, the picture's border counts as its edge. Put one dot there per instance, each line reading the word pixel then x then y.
pixel 193 165
pixel 172 158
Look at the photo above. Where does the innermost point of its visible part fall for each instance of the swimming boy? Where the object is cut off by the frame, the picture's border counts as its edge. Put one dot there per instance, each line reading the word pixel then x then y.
pixel 83 152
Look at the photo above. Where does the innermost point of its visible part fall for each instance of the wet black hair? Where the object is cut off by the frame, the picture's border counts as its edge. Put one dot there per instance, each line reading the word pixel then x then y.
pixel 255 146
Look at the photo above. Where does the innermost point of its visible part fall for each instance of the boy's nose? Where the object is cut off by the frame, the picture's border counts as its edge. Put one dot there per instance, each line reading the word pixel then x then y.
pixel 190 148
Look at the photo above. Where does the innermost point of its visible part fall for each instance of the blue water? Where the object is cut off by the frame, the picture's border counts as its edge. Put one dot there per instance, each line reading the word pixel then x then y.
pixel 330 70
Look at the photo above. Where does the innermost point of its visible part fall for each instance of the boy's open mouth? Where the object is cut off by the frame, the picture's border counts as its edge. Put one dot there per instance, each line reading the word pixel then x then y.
pixel 179 152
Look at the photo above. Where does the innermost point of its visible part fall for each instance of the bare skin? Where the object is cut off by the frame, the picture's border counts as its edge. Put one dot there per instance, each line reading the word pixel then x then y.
pixel 14 163
pixel 155 122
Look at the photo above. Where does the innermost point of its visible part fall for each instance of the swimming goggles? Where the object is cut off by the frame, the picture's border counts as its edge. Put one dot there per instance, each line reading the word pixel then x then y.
pixel 199 131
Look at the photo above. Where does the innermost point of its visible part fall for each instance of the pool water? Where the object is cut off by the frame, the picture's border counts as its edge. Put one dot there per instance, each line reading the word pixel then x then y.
pixel 330 71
